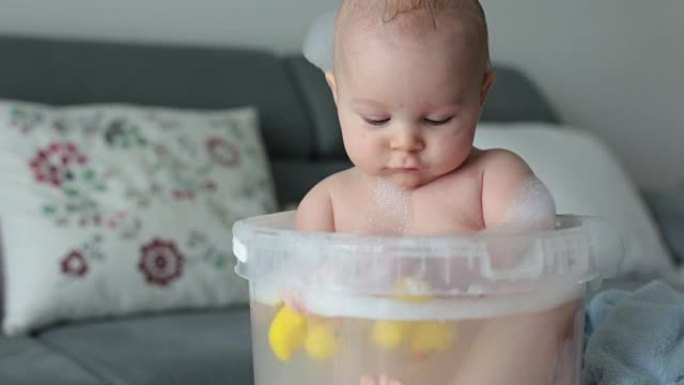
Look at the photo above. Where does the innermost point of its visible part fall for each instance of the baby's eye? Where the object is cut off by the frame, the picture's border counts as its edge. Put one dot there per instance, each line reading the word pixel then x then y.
pixel 433 122
pixel 376 122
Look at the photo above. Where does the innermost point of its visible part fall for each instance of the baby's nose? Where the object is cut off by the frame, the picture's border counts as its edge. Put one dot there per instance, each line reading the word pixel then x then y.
pixel 407 140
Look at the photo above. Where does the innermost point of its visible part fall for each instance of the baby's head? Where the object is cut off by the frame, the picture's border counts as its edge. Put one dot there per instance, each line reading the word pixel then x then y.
pixel 409 79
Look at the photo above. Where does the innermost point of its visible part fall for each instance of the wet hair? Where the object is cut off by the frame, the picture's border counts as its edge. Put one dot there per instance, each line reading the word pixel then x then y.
pixel 416 15
pixel 394 8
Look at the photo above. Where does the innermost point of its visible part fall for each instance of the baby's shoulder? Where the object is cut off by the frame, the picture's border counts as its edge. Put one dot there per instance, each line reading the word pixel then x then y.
pixel 498 157
pixel 338 182
pixel 316 211
pixel 325 187
pixel 500 162
pixel 503 174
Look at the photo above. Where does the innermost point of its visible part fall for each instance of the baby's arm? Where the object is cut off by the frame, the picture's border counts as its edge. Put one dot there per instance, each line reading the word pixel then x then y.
pixel 512 196
pixel 523 348
pixel 315 212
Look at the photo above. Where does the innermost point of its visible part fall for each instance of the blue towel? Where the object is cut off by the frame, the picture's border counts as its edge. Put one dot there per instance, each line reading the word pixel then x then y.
pixel 635 338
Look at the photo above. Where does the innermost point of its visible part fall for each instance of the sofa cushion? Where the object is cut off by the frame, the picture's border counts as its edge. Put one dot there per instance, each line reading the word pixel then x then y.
pixel 586 178
pixel 24 361
pixel 114 209
pixel 200 348
pixel 295 178
pixel 76 72
pixel 321 111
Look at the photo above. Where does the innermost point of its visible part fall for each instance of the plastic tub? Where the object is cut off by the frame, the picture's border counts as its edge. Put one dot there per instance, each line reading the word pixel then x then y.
pixel 487 309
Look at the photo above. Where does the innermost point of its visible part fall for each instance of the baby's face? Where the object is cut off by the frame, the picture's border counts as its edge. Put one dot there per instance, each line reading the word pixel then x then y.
pixel 408 108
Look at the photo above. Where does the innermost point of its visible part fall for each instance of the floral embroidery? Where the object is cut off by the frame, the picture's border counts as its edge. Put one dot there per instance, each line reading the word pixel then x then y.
pixel 55 164
pixel 90 123
pixel 129 226
pixel 180 195
pixel 181 166
pixel 63 166
pixel 181 162
pixel 74 264
pixel 223 152
pixel 120 133
pixel 162 120
pixel 200 249
pixel 25 119
pixel 210 185
pixel 160 262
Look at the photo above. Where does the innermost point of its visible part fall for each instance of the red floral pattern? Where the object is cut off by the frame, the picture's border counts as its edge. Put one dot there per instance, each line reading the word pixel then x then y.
pixel 180 195
pixel 223 152
pixel 74 264
pixel 160 262
pixel 54 164
pixel 186 169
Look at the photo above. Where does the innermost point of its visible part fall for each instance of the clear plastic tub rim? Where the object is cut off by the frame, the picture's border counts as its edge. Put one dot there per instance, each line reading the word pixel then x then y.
pixel 371 276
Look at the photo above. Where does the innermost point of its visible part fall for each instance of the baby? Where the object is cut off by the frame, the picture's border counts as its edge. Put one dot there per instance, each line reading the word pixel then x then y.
pixel 409 79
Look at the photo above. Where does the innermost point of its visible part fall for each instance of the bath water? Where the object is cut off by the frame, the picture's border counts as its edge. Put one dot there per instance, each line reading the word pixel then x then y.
pixel 540 348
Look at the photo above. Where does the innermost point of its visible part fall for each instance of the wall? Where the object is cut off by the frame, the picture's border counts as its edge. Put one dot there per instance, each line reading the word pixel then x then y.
pixel 613 67
pixel 279 24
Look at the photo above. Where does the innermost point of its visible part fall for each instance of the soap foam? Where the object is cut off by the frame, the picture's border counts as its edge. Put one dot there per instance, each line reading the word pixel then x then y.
pixel 338 304
pixel 389 209
pixel 533 209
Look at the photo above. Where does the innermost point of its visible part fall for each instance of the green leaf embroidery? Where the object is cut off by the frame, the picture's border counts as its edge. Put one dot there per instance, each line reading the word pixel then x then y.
pixel 49 209
pixel 205 170
pixel 72 208
pixel 88 174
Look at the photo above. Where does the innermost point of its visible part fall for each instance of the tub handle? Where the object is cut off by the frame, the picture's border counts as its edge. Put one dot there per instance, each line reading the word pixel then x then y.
pixel 239 250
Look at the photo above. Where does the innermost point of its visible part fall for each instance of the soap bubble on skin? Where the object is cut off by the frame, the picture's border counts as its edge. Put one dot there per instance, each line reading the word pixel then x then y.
pixel 533 209
pixel 389 209
pixel 386 212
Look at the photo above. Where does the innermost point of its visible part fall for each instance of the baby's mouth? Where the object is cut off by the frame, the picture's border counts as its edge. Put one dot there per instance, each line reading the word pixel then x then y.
pixel 405 169
pixel 408 164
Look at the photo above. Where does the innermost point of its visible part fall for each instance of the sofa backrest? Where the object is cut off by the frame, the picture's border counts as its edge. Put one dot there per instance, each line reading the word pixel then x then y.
pixel 298 117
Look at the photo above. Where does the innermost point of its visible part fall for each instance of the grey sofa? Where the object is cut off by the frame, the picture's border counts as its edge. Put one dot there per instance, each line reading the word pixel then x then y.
pixel 300 129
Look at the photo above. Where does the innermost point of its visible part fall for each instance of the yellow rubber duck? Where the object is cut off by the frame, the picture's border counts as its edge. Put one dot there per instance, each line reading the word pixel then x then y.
pixel 431 336
pixel 322 341
pixel 421 337
pixel 412 290
pixel 393 334
pixel 390 334
pixel 287 333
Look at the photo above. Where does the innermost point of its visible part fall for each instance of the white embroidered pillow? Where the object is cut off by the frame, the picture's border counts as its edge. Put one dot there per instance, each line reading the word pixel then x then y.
pixel 114 209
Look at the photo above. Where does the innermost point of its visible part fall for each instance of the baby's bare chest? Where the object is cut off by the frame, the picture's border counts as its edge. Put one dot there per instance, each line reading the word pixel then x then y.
pixel 430 211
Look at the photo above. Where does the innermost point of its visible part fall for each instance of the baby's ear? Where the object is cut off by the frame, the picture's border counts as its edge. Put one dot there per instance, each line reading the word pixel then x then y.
pixel 330 78
pixel 487 82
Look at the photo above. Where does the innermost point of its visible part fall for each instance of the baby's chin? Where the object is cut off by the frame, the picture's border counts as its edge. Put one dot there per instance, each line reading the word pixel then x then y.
pixel 409 180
